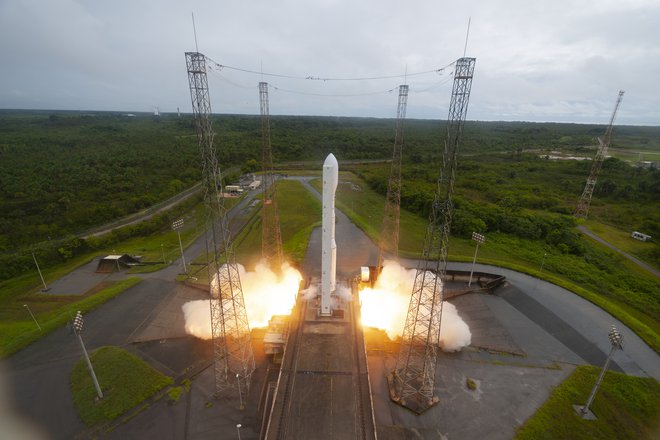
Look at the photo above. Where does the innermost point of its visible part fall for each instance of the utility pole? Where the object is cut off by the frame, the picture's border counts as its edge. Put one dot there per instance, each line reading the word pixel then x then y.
pixel 32 314
pixel 45 289
pixel 389 236
pixel 271 236
pixel 412 383
pixel 585 200
pixel 230 330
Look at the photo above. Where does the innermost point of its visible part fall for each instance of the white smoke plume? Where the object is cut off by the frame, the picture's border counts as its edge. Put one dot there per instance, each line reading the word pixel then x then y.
pixel 385 306
pixel 265 294
pixel 310 293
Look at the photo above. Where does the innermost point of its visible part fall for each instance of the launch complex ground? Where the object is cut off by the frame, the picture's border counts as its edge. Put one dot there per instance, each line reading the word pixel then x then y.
pixel 527 337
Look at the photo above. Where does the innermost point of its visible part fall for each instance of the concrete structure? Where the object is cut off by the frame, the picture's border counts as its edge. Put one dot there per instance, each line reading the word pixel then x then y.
pixel 323 389
pixel 328 244
pixel 115 262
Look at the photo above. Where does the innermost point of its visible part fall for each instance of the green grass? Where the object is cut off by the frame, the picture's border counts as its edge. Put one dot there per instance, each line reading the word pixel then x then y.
pixel 299 213
pixel 125 380
pixel 626 407
pixel 623 240
pixel 20 330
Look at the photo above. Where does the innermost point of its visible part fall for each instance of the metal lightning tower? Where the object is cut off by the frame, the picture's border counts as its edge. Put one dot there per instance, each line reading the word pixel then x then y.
pixel 232 348
pixel 271 236
pixel 585 200
pixel 389 237
pixel 412 381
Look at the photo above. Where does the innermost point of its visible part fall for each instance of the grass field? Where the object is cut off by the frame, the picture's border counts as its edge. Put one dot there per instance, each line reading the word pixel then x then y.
pixel 626 407
pixel 299 212
pixel 125 381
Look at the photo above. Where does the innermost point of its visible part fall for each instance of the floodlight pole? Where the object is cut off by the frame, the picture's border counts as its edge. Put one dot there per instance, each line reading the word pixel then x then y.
pixel 240 393
pixel 543 262
pixel 77 327
pixel 162 248
pixel 177 225
pixel 32 314
pixel 616 340
pixel 40 275
pixel 480 239
pixel 238 430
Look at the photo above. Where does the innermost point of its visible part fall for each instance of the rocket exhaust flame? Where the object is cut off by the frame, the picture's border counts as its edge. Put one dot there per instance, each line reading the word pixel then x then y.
pixel 386 304
pixel 265 294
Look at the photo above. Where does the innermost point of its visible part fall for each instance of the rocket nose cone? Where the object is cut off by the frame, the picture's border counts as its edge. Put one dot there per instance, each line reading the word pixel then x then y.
pixel 331 161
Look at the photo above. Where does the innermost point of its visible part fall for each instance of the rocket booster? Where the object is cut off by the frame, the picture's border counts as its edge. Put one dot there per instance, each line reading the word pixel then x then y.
pixel 328 244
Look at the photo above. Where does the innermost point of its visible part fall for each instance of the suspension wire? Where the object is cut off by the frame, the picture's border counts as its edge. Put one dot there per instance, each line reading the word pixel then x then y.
pixel 219 66
pixel 331 95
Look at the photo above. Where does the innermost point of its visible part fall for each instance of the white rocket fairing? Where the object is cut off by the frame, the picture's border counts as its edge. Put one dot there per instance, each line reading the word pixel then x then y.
pixel 328 244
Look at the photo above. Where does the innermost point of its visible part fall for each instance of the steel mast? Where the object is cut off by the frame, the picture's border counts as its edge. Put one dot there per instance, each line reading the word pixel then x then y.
pixel 233 359
pixel 413 379
pixel 582 209
pixel 271 236
pixel 389 236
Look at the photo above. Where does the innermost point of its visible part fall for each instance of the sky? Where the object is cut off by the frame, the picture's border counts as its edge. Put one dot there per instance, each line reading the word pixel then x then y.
pixel 559 60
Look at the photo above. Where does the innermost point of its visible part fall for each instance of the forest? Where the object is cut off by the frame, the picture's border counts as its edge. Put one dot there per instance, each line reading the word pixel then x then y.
pixel 64 172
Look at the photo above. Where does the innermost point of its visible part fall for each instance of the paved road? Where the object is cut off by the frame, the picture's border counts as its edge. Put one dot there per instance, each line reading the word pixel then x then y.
pixel 640 263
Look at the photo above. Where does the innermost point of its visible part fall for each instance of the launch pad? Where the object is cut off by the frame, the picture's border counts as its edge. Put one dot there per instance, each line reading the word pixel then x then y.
pixel 323 388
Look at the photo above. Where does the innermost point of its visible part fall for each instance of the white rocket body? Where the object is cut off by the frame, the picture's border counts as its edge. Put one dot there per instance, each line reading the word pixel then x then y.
pixel 328 244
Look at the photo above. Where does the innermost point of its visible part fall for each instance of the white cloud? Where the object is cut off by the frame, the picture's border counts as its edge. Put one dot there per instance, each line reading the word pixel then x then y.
pixel 535 60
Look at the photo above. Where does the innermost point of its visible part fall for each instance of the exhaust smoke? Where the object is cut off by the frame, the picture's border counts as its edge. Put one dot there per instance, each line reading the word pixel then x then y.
pixel 265 294
pixel 385 306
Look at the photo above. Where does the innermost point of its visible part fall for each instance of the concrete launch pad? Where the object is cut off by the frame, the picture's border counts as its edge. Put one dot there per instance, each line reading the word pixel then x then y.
pixel 323 389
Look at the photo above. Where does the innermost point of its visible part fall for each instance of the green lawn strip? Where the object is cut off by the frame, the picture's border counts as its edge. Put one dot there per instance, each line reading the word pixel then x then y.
pixel 626 407
pixel 125 380
pixel 21 331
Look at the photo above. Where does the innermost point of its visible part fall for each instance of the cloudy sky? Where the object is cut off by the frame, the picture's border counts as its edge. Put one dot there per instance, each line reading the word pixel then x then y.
pixel 558 60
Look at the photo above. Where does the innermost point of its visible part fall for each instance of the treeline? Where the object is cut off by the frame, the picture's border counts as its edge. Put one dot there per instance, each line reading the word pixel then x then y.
pixel 531 197
pixel 53 252
pixel 65 172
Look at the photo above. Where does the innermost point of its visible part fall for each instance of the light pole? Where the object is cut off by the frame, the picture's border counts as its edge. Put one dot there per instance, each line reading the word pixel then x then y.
pixel 543 262
pixel 163 251
pixel 32 314
pixel 480 239
pixel 238 430
pixel 77 327
pixel 177 225
pixel 40 275
pixel 616 340
pixel 240 394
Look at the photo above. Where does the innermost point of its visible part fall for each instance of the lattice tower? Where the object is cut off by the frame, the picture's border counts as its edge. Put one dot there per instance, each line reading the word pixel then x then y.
pixel 389 237
pixel 414 375
pixel 582 209
pixel 233 359
pixel 271 236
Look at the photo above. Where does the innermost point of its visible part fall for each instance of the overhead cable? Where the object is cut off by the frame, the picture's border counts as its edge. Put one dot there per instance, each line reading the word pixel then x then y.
pixel 219 66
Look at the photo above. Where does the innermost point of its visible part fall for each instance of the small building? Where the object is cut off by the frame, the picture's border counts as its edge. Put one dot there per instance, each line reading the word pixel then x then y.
pixel 113 263
pixel 639 236
pixel 254 185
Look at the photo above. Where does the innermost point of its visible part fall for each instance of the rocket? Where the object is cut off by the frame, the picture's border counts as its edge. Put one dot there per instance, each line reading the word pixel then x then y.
pixel 328 244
